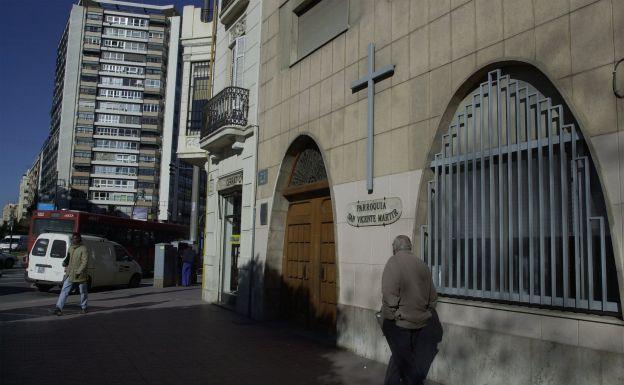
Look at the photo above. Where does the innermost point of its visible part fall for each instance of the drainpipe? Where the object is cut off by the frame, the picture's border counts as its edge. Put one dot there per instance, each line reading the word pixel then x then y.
pixel 252 263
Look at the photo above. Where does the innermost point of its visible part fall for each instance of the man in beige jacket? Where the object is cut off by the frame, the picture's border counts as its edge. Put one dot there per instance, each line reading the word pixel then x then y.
pixel 410 324
pixel 75 273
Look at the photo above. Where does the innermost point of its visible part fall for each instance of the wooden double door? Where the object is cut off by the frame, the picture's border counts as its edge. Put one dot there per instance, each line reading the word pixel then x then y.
pixel 309 265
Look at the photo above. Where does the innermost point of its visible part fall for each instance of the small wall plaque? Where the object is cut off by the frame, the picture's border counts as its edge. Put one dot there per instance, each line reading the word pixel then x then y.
pixel 374 212
pixel 263 176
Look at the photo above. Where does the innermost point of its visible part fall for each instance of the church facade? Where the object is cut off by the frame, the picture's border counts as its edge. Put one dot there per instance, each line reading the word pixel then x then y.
pixel 488 131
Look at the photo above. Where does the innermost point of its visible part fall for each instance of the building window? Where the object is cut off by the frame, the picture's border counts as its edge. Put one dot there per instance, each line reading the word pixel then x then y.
pixel 152 83
pixel 238 61
pixel 310 24
pixel 116 144
pixel 94 16
pixel 86 103
pixel 199 94
pixel 84 130
pixel 85 116
pixel 515 211
pixel 154 59
pixel 147 171
pixel 82 154
pixel 92 40
pixel 147 159
pixel 151 107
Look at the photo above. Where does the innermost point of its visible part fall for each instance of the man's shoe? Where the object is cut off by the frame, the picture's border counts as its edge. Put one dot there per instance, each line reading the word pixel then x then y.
pixel 84 311
pixel 58 311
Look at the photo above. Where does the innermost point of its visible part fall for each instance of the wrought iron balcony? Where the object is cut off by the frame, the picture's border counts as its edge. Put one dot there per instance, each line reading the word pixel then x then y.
pixel 228 108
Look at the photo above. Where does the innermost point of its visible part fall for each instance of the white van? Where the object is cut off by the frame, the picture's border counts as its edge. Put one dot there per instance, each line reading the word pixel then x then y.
pixel 14 243
pixel 109 263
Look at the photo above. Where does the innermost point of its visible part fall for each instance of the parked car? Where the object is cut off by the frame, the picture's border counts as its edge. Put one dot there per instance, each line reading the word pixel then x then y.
pixel 109 263
pixel 7 261
pixel 14 243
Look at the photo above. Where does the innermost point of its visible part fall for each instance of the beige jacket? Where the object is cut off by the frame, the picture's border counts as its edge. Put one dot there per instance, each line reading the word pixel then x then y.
pixel 78 262
pixel 408 291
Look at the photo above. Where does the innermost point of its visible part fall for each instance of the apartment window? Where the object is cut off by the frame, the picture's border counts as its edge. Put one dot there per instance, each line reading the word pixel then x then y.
pixel 113 183
pixel 116 144
pixel 309 24
pixel 115 170
pixel 154 59
pixel 82 154
pixel 130 82
pixel 107 55
pixel 198 94
pixel 119 32
pixel 114 131
pixel 122 94
pixel 85 103
pixel 153 83
pixel 151 107
pixel 123 107
pixel 89 78
pixel 83 140
pixel 109 196
pixel 118 119
pixel 156 35
pixel 147 171
pixel 112 157
pixel 87 90
pixel 85 115
pixel 147 159
pixel 94 16
pixel 122 69
pixel 155 47
pixel 92 40
pixel 149 120
pixel 90 66
pixel 84 130
pixel 145 185
pixel 93 28
pixel 153 71
pixel 238 61
pixel 80 181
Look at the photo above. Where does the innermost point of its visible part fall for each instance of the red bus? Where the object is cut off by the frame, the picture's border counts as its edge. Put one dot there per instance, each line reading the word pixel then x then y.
pixel 138 237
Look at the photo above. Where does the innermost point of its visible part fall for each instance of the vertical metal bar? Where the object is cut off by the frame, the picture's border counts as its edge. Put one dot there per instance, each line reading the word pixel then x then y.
pixel 551 201
pixel 529 120
pixel 430 193
pixel 370 90
pixel 519 196
pixel 575 217
pixel 458 235
pixel 582 225
pixel 510 217
pixel 440 223
pixel 564 207
pixel 466 206
pixel 499 184
pixel 451 212
pixel 492 195
pixel 540 162
pixel 436 236
pixel 482 193
pixel 474 194
pixel 423 230
pixel 590 241
pixel 603 263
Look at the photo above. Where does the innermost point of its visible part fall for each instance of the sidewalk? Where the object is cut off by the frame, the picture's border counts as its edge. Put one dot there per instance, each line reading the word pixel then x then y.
pixel 165 336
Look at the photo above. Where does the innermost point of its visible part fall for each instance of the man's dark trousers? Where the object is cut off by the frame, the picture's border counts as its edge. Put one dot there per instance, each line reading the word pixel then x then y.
pixel 413 351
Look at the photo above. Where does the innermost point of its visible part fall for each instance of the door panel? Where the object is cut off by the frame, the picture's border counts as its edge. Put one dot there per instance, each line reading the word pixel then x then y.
pixel 309 263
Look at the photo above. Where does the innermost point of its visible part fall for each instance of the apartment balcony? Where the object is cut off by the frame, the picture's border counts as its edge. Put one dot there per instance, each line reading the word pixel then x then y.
pixel 231 9
pixel 225 119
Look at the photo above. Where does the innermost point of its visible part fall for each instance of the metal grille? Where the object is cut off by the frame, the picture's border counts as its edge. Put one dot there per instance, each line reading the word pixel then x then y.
pixel 514 212
pixel 227 108
pixel 199 94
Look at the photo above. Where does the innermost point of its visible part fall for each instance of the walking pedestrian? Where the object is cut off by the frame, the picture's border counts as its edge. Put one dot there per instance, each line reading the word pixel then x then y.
pixel 410 322
pixel 188 258
pixel 75 265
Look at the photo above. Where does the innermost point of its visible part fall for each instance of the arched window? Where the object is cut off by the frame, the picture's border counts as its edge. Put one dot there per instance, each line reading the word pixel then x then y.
pixel 515 210
pixel 309 168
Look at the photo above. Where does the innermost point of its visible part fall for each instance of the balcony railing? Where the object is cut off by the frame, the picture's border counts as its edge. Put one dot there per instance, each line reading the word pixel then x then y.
pixel 225 4
pixel 228 108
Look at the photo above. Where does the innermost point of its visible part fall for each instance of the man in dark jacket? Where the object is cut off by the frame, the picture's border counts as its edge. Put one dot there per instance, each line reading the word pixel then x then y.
pixel 75 273
pixel 410 324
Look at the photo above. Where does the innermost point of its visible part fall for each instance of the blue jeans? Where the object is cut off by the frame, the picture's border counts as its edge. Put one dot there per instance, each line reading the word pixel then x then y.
pixel 67 286
pixel 186 273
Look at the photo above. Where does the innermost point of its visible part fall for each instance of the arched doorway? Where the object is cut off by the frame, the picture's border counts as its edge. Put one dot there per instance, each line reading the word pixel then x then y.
pixel 514 212
pixel 309 284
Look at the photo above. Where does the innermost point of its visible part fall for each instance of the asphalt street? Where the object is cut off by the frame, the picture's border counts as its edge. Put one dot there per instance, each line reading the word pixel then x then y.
pixel 159 336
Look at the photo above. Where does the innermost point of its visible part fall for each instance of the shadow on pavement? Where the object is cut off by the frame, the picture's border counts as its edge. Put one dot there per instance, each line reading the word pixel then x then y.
pixel 199 344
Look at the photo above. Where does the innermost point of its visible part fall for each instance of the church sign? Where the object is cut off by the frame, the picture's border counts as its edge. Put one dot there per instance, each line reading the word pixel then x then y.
pixel 375 212
pixel 229 181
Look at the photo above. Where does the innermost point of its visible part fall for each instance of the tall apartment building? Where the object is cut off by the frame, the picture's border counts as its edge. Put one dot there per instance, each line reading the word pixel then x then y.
pixel 112 118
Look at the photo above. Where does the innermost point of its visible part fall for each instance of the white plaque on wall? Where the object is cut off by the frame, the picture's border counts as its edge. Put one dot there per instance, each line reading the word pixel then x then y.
pixel 375 212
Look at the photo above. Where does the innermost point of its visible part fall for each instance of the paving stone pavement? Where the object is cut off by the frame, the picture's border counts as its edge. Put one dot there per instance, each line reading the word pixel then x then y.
pixel 164 336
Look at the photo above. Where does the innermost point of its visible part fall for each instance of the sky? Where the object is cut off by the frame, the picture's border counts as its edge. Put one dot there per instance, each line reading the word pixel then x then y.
pixel 29 35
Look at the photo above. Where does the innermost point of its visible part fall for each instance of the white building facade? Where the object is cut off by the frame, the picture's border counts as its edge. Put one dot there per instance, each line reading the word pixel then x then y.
pixel 229 136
